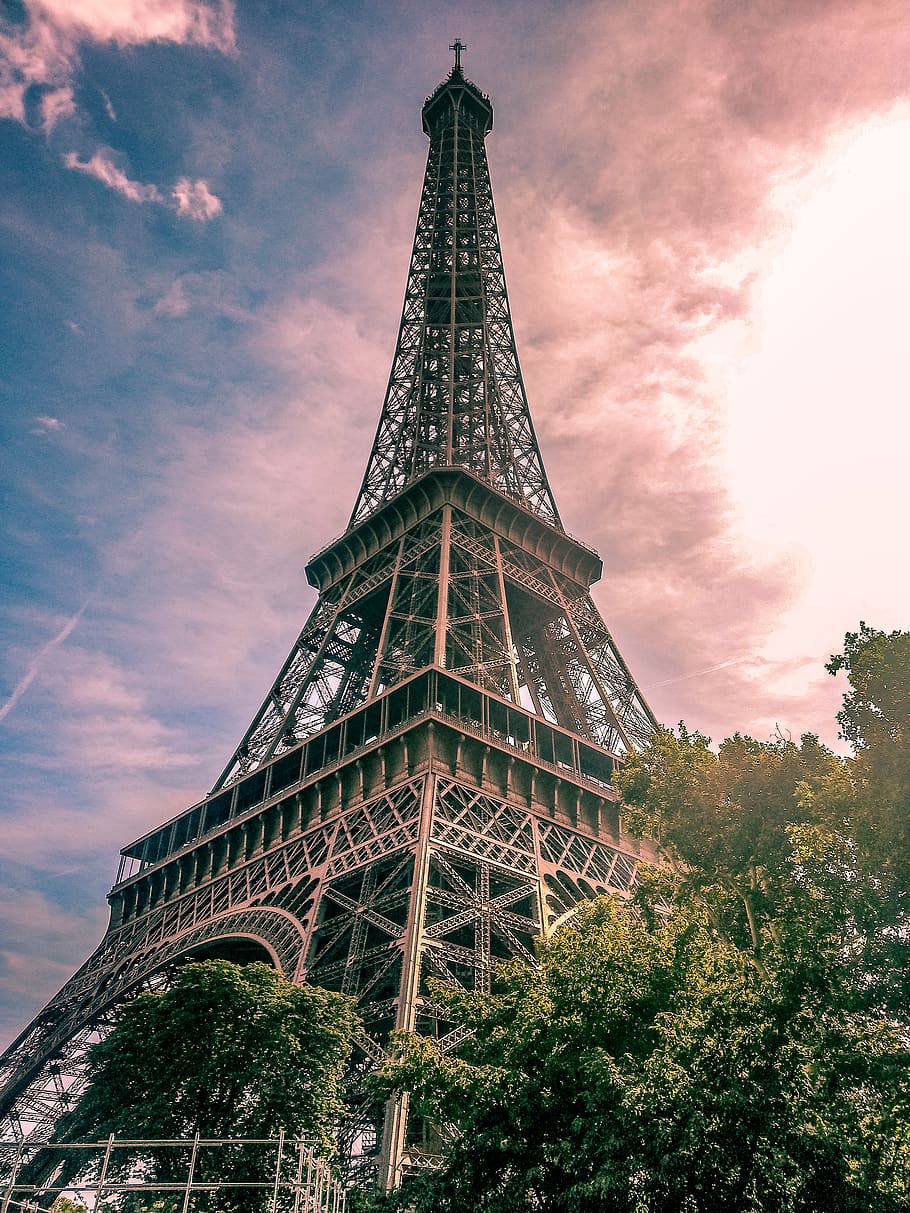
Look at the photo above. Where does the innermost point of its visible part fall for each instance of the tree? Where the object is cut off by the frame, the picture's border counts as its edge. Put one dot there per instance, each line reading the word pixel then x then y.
pixel 63 1204
pixel 875 718
pixel 655 1068
pixel 736 1037
pixel 226 1051
pixel 725 821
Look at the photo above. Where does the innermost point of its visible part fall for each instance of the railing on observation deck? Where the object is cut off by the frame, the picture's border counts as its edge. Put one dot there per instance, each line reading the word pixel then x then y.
pixel 432 692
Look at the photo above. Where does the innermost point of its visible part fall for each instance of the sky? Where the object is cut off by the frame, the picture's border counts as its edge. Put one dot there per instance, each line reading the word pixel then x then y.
pixel 206 217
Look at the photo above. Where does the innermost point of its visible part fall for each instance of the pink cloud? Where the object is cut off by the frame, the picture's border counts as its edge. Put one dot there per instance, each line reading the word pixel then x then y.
pixel 44 50
pixel 637 177
pixel 48 425
pixel 101 166
pixel 195 200
pixel 105 719
pixel 132 22
pixel 55 105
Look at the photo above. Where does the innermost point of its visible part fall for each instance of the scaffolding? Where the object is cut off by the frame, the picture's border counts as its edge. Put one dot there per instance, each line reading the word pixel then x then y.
pixel 288 1176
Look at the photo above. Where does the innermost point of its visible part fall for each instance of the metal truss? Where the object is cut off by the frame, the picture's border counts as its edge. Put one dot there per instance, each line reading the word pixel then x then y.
pixel 333 665
pixel 362 837
pixel 455 395
pixel 452 592
pixel 449 590
pixel 434 878
pixel 270 899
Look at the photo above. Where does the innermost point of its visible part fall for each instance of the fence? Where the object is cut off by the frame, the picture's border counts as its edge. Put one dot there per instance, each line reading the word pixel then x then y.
pixel 279 1175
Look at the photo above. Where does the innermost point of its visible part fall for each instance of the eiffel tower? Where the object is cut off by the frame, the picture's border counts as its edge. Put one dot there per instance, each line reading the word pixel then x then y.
pixel 428 784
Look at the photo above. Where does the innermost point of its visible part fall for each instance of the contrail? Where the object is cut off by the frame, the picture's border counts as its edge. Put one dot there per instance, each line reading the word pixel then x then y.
pixel 698 673
pixel 35 664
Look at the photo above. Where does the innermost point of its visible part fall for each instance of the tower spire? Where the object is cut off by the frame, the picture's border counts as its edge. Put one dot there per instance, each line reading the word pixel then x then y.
pixel 457 46
pixel 455 396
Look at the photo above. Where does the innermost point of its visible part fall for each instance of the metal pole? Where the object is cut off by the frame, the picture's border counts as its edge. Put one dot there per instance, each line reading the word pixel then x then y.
pixel 103 1175
pixel 442 600
pixel 7 1196
pixel 189 1174
pixel 277 1171
pixel 297 1185
pixel 317 1200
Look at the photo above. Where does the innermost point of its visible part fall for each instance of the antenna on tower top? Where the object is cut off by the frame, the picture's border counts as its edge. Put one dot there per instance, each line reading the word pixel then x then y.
pixel 457 46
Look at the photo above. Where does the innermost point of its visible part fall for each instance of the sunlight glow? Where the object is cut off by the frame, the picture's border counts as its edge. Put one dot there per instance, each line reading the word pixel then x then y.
pixel 816 382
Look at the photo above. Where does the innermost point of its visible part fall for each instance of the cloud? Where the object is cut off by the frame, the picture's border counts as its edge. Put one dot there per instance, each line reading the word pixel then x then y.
pixel 49 425
pixel 192 199
pixel 174 301
pixel 42 935
pixel 56 104
pixel 646 192
pixel 103 719
pixel 101 166
pixel 210 293
pixel 39 658
pixel 131 22
pixel 43 50
pixel 283 463
pixel 195 199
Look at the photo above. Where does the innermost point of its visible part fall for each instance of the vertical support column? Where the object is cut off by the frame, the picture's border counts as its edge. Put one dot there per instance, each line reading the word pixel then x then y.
pixel 442 600
pixel 190 1174
pixel 273 1204
pixel 506 624
pixel 8 1194
pixel 482 929
pixel 99 1187
pixel 380 647
pixel 541 883
pixel 396 1118
pixel 450 387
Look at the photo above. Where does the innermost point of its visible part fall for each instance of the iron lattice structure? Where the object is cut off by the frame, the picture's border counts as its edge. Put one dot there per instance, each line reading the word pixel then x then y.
pixel 428 784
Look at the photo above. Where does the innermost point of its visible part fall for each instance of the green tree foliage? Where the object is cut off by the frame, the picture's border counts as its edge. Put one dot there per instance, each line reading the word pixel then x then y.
pixel 728 823
pixel 876 719
pixel 655 1068
pixel 226 1051
pixel 736 1037
pixel 63 1204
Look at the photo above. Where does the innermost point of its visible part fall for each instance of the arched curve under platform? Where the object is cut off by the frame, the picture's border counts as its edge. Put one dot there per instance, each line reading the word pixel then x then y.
pixel 50 1074
pixel 238 949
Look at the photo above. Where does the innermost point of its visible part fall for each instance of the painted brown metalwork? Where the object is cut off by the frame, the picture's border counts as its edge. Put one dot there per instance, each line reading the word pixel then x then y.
pixel 428 784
